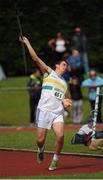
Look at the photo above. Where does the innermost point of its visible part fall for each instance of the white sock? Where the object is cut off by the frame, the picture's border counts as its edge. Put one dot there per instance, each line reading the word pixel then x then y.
pixel 56 157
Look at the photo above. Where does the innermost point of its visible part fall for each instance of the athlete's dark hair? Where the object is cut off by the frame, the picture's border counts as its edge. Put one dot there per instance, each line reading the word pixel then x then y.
pixel 58 63
pixel 34 70
pixel 64 58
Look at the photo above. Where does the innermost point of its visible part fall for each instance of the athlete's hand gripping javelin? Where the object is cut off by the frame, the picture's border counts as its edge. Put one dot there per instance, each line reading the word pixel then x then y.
pixel 44 68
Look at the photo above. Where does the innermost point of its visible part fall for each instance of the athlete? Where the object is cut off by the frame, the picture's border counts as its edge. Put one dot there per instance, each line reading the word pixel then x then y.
pixel 51 105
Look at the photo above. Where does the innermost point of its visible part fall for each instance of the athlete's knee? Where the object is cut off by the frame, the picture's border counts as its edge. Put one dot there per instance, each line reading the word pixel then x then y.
pixel 40 139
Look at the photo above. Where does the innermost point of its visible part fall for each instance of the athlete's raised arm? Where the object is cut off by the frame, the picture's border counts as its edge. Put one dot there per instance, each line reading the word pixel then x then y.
pixel 44 68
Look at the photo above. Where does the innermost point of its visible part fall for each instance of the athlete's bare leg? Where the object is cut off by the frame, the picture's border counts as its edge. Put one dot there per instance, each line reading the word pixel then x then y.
pixel 58 129
pixel 41 136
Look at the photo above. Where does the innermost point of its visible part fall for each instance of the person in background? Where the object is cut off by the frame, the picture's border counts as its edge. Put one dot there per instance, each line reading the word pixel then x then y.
pixel 79 42
pixel 75 65
pixel 76 95
pixel 58 46
pixel 92 83
pixel 34 89
pixel 85 134
pixel 67 74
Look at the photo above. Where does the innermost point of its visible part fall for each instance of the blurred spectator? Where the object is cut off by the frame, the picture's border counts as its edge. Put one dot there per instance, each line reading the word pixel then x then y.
pixel 58 46
pixel 67 74
pixel 76 95
pixel 92 84
pixel 75 65
pixel 84 136
pixel 34 89
pixel 79 42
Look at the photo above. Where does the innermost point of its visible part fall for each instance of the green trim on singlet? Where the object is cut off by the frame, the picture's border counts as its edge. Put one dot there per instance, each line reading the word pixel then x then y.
pixel 51 87
pixel 59 90
pixel 47 87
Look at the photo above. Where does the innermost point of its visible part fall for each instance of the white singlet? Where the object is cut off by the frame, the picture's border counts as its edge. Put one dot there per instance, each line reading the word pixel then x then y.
pixel 53 91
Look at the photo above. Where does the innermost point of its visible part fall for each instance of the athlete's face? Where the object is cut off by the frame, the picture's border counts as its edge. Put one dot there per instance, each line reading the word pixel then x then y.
pixel 62 67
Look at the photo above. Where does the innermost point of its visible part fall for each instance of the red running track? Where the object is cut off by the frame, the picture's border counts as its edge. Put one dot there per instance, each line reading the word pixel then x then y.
pixel 67 128
pixel 16 163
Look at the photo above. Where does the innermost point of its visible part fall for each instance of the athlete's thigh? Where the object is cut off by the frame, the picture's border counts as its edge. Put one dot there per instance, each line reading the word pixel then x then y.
pixel 58 129
pixel 41 133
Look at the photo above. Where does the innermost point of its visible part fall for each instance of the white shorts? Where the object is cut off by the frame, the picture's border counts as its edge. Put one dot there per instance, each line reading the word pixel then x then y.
pixel 45 119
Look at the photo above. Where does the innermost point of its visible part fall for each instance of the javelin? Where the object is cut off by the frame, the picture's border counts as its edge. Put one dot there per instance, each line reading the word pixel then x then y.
pixel 21 34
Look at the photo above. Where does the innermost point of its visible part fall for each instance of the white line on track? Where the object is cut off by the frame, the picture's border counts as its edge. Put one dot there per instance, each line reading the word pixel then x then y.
pixel 51 152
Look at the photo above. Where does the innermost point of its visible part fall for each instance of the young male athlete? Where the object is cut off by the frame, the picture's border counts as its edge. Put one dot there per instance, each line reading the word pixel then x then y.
pixel 51 105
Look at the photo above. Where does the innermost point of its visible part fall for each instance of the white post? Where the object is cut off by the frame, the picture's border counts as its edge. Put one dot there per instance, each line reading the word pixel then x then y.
pixel 95 112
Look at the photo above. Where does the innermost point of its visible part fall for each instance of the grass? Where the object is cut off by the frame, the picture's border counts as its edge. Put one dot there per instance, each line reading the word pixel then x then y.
pixel 68 176
pixel 14 82
pixel 27 140
pixel 14 107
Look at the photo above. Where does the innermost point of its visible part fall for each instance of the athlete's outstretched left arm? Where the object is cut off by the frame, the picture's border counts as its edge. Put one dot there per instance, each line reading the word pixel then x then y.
pixel 44 68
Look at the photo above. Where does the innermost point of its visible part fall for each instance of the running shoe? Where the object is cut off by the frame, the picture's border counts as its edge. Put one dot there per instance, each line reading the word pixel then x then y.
pixel 40 155
pixel 53 165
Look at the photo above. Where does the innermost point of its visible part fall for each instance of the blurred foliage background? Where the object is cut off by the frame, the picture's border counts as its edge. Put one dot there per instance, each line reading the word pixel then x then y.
pixel 41 20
